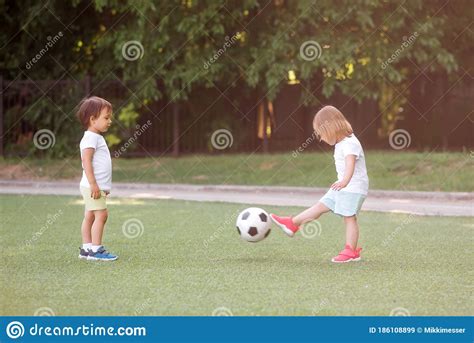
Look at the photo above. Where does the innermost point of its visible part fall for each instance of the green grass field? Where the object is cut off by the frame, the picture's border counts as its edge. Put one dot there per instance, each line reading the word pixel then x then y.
pixel 434 171
pixel 189 260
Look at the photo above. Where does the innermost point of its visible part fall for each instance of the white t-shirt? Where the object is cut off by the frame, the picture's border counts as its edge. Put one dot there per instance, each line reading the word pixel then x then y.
pixel 101 161
pixel 359 182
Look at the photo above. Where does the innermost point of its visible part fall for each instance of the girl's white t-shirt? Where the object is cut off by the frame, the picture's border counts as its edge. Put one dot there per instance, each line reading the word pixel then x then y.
pixel 101 161
pixel 359 182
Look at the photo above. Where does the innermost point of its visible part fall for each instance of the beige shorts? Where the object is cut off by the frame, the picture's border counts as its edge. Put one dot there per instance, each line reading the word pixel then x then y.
pixel 91 203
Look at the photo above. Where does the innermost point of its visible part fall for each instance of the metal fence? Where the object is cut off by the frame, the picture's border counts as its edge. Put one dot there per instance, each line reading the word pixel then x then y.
pixel 254 123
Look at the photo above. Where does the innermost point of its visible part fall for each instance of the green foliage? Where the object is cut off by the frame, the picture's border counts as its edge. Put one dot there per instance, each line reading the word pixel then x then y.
pixel 44 114
pixel 123 126
pixel 128 115
pixel 179 37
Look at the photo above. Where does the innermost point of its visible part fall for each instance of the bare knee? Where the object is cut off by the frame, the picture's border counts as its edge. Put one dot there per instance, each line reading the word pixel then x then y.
pixel 89 216
pixel 351 222
pixel 101 215
pixel 351 219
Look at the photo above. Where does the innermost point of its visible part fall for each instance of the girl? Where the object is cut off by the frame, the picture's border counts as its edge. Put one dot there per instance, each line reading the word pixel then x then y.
pixel 346 195
pixel 95 114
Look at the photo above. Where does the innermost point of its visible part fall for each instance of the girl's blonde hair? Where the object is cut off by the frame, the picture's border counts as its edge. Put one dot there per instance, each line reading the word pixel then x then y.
pixel 330 123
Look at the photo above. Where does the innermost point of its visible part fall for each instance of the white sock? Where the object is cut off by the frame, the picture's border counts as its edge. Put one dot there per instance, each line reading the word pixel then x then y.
pixel 86 246
pixel 95 247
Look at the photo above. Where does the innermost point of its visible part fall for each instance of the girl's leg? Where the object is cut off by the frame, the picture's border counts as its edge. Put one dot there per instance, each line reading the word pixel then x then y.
pixel 87 226
pixel 312 213
pixel 98 226
pixel 352 231
pixel 352 237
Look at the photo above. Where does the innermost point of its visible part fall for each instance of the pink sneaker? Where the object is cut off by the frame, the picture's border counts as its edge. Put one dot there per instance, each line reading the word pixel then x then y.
pixel 347 255
pixel 286 224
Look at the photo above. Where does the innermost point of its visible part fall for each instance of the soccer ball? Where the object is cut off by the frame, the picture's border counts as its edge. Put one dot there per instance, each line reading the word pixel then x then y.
pixel 253 224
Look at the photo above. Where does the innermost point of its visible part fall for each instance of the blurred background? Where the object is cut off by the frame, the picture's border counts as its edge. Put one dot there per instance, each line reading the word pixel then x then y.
pixel 178 72
pixel 213 109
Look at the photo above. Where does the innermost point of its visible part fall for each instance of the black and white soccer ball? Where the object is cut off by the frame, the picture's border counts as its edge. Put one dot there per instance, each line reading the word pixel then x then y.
pixel 253 224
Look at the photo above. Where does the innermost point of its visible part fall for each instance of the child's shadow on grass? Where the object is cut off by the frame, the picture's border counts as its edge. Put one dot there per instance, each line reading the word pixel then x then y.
pixel 321 264
pixel 286 261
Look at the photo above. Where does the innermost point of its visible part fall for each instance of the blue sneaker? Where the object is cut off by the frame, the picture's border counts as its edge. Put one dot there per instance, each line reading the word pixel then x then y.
pixel 101 255
pixel 83 254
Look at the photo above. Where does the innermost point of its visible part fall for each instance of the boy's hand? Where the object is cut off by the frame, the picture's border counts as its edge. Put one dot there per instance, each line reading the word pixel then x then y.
pixel 95 191
pixel 338 185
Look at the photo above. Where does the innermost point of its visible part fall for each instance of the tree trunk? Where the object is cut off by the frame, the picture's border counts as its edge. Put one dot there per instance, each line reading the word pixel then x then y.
pixel 265 118
pixel 1 117
pixel 87 85
pixel 176 136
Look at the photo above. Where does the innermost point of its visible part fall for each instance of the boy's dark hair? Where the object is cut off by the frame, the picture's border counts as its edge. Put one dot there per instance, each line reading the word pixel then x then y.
pixel 91 107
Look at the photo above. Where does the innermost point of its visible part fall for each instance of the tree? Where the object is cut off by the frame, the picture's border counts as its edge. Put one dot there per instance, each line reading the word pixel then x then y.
pixel 172 51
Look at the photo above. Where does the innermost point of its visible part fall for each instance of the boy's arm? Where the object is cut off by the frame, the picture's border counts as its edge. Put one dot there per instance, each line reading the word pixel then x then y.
pixel 87 155
pixel 350 161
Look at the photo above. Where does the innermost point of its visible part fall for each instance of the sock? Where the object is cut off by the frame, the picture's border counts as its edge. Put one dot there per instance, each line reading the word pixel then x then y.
pixel 95 247
pixel 86 246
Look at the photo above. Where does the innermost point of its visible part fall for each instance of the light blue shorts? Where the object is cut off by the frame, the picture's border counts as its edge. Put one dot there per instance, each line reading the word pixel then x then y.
pixel 345 204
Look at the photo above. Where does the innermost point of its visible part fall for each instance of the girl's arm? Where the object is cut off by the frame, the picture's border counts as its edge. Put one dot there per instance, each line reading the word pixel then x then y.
pixel 350 161
pixel 87 155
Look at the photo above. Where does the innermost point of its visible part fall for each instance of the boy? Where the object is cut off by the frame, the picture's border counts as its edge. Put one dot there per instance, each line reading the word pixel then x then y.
pixel 95 114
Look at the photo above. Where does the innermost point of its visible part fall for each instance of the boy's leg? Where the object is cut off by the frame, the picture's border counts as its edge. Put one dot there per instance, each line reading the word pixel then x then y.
pixel 98 226
pixel 98 251
pixel 352 231
pixel 87 226
pixel 312 213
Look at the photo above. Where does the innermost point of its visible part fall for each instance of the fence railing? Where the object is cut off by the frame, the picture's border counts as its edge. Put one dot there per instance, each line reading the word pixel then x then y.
pixel 251 125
